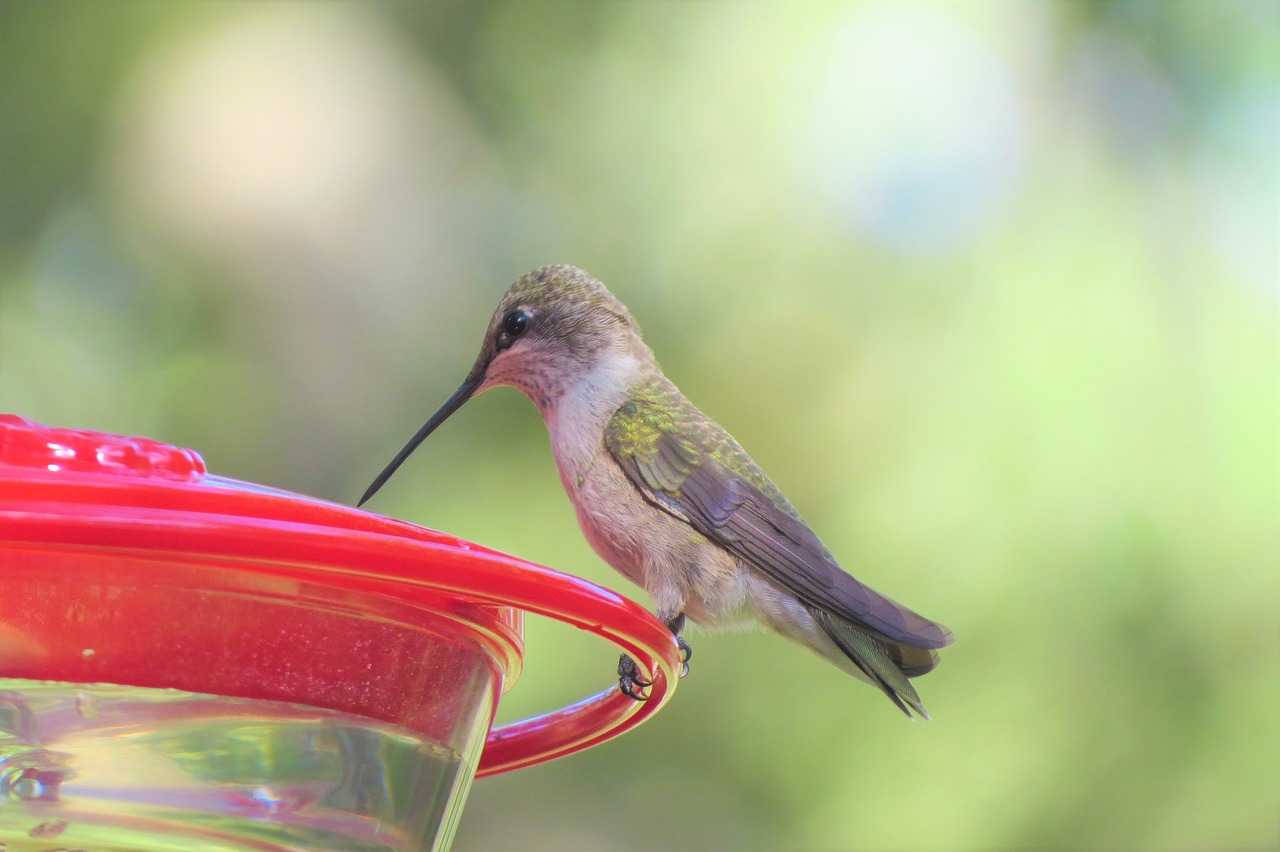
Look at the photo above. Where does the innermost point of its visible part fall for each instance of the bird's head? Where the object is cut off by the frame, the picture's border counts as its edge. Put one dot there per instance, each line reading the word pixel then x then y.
pixel 555 328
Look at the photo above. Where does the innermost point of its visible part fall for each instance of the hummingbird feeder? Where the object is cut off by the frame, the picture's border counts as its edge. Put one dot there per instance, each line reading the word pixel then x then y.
pixel 190 661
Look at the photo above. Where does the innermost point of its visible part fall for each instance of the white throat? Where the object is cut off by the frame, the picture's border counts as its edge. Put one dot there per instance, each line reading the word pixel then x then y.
pixel 576 420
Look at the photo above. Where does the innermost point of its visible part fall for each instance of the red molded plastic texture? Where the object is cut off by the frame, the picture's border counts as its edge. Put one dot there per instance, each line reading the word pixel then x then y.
pixel 230 584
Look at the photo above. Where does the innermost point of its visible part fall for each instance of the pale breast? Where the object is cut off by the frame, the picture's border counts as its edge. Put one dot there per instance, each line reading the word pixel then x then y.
pixel 609 515
pixel 677 566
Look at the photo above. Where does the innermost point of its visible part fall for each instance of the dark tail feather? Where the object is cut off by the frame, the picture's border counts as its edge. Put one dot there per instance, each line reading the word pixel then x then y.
pixel 887 665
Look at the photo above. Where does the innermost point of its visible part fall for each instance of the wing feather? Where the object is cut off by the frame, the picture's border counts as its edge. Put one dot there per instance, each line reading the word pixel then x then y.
pixel 746 514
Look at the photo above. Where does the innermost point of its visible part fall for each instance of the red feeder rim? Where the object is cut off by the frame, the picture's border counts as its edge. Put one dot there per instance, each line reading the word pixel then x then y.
pixel 138 495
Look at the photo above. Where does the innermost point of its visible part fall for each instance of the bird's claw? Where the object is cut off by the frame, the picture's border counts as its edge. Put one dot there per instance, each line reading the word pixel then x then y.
pixel 686 654
pixel 629 680
pixel 676 625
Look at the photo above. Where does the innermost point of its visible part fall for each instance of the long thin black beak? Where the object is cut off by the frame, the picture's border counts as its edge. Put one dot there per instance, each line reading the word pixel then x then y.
pixel 452 404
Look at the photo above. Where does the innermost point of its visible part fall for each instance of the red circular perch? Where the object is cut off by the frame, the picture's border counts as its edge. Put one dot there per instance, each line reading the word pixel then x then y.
pixel 151 510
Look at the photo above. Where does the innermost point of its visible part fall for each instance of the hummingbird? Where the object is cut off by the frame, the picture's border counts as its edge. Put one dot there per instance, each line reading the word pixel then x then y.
pixel 669 499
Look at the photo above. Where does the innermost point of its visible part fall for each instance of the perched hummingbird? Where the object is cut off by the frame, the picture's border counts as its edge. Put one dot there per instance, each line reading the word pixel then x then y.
pixel 669 499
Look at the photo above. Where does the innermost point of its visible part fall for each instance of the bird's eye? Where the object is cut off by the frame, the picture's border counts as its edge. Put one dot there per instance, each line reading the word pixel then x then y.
pixel 515 323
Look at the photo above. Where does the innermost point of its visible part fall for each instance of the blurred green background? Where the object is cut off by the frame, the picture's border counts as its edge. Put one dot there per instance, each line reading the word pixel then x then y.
pixel 991 290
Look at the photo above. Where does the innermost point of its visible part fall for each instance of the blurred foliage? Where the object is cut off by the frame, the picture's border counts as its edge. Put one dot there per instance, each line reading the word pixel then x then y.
pixel 990 289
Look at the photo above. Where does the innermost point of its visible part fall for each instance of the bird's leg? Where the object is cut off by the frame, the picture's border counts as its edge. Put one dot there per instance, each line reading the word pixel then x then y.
pixel 676 623
pixel 629 679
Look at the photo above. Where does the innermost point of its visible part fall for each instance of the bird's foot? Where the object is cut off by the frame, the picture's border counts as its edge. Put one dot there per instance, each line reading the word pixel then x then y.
pixel 686 654
pixel 629 680
pixel 676 624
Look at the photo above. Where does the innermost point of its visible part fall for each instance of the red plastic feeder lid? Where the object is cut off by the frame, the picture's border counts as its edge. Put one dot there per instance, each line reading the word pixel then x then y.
pixel 119 498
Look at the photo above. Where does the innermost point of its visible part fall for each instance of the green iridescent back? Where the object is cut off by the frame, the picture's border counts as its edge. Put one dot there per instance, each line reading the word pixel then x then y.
pixel 656 410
